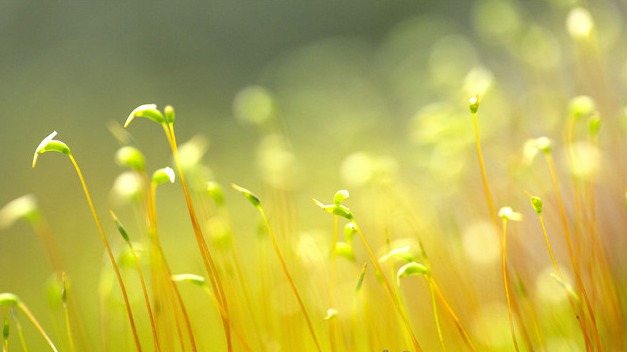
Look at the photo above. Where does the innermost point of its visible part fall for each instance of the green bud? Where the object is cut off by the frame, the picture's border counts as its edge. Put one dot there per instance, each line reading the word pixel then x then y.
pixel 340 196
pixel 400 253
pixel 163 175
pixel 253 199
pixel 473 104
pixel 544 144
pixel 63 289
pixel 594 125
pixel 131 157
pixel 54 288
pixel 49 144
pixel 24 207
pixel 360 279
pixel 148 111
pixel 216 193
pixel 169 114
pixel 581 106
pixel 120 227
pixel 338 210
pixel 5 330
pixel 129 256
pixel 342 211
pixel 8 299
pixel 536 203
pixel 410 269
pixel 191 278
pixel 349 231
pixel 345 250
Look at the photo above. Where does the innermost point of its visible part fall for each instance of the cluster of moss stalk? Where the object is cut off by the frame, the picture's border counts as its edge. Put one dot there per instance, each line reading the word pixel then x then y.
pixel 247 325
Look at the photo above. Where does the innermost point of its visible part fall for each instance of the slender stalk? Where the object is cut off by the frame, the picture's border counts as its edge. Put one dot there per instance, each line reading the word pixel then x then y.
pixel 20 331
pixel 580 319
pixel 208 261
pixel 435 312
pixel 31 317
pixel 209 293
pixel 289 277
pixel 451 312
pixel 109 253
pixel 333 322
pixel 573 258
pixel 484 174
pixel 397 305
pixel 163 276
pixel 142 282
pixel 68 326
pixel 505 284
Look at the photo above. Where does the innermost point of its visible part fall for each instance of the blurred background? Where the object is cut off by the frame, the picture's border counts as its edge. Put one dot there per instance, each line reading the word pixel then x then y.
pixel 305 98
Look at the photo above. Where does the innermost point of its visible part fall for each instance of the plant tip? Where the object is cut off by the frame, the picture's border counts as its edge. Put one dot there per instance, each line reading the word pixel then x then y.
pixel 169 113
pixel 131 157
pixel 331 313
pixel 506 213
pixel 24 207
pixel 473 104
pixel 8 299
pixel 410 269
pixel 536 203
pixel 192 278
pixel 580 106
pixel 215 192
pixel 148 111
pixel 163 175
pixel 256 202
pixel 340 196
pixel 50 144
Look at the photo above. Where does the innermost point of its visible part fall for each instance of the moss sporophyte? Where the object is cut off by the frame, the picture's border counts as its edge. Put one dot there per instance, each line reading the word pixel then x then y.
pixel 390 257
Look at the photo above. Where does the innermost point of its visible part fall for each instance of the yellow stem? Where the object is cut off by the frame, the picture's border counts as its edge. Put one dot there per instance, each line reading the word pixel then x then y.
pixel 289 278
pixel 484 175
pixel 208 261
pixel 333 321
pixel 573 259
pixel 66 314
pixel 109 253
pixel 145 293
pixel 454 316
pixel 580 318
pixel 505 284
pixel 165 274
pixel 31 317
pixel 397 305
pixel 435 312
